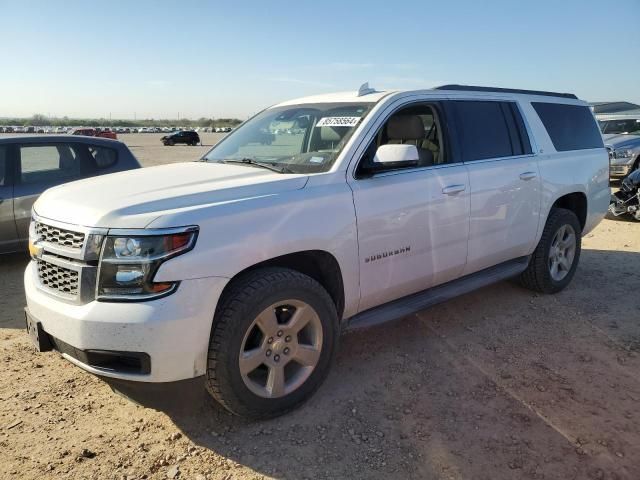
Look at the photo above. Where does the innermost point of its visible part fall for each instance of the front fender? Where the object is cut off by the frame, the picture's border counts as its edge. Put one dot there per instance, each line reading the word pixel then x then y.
pixel 238 235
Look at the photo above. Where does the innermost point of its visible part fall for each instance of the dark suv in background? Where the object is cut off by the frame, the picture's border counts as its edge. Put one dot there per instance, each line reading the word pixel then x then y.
pixel 188 137
pixel 31 165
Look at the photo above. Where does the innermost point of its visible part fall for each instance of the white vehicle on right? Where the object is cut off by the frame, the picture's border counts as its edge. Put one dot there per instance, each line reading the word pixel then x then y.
pixel 621 133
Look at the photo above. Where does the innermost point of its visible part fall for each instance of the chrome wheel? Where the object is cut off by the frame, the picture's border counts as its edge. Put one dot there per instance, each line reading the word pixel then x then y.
pixel 281 348
pixel 562 252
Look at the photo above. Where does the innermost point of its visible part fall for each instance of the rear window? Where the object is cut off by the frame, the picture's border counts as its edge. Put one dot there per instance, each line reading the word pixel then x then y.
pixel 103 156
pixel 570 127
pixel 630 126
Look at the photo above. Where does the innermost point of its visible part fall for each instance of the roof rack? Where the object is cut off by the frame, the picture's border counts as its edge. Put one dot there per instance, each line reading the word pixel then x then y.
pixel 473 88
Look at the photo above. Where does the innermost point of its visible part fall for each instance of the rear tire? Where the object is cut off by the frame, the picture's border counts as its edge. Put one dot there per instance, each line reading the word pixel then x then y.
pixel 555 259
pixel 255 335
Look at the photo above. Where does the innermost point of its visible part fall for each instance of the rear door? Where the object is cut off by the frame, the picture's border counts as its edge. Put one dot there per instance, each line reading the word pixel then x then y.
pixel 39 167
pixel 504 181
pixel 8 235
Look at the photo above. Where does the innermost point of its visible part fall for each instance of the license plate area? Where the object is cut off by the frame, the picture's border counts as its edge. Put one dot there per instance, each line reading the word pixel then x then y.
pixel 38 336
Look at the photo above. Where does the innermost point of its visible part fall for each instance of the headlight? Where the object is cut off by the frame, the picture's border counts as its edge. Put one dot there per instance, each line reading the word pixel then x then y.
pixel 623 153
pixel 130 260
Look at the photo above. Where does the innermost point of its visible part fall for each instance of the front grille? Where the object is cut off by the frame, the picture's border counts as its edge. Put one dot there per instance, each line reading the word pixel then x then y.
pixel 59 236
pixel 57 278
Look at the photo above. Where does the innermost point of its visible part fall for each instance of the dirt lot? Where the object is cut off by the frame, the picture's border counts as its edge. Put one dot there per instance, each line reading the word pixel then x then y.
pixel 497 384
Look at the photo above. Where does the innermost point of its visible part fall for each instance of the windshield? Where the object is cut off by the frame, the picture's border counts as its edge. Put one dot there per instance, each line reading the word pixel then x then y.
pixel 298 138
pixel 627 126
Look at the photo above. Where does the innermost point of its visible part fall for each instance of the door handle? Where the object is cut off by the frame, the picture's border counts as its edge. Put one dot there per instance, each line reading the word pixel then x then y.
pixel 528 175
pixel 453 189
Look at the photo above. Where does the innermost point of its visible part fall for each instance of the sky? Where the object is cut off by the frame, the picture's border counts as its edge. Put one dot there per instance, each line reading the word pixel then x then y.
pixel 196 58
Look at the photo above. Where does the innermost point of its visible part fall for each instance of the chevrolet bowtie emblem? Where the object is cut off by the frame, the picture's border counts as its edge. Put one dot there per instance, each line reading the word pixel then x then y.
pixel 35 250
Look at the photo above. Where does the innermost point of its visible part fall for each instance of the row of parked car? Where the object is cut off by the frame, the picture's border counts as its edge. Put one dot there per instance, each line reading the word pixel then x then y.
pixel 68 130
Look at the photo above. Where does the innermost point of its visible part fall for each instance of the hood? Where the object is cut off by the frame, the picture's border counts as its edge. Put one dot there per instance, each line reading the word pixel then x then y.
pixel 622 141
pixel 133 199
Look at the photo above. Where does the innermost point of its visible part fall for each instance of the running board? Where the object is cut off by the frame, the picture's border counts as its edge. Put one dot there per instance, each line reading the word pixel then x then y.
pixel 419 301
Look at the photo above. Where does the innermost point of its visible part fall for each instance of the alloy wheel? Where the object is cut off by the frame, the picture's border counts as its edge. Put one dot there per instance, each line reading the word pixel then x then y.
pixel 562 252
pixel 281 348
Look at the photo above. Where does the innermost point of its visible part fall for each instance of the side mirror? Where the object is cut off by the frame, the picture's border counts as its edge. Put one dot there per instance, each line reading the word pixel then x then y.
pixel 396 155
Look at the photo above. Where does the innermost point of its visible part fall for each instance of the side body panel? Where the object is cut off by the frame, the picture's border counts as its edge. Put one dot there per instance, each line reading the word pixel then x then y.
pixel 562 173
pixel 8 233
pixel 505 210
pixel 411 235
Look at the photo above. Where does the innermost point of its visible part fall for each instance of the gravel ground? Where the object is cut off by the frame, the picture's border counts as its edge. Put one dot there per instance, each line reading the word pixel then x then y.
pixel 497 384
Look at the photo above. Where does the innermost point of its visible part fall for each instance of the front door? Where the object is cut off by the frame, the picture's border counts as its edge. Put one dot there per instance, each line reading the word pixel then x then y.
pixel 8 235
pixel 413 222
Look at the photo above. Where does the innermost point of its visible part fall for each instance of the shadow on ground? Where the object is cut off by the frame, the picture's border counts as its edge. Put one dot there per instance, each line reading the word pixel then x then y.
pixel 499 383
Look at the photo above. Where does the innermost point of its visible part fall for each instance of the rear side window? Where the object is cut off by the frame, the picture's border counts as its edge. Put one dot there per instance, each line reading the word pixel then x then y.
pixel 103 156
pixel 483 130
pixel 570 127
pixel 47 163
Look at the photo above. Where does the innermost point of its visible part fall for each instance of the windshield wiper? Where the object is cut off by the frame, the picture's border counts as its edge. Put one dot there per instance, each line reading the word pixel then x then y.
pixel 251 161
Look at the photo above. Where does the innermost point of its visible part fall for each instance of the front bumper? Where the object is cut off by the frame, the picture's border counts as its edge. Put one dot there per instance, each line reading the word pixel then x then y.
pixel 173 331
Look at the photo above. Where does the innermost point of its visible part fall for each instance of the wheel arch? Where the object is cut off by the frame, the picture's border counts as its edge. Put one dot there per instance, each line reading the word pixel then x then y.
pixel 575 202
pixel 320 265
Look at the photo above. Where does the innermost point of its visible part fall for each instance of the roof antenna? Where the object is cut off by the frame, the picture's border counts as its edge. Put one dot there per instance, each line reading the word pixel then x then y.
pixel 365 90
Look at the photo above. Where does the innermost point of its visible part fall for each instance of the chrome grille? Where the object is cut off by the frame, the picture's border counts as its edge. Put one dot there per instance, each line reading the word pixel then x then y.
pixel 59 236
pixel 57 278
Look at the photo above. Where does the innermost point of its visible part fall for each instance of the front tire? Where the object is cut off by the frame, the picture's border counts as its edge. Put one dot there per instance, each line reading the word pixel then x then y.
pixel 273 339
pixel 555 259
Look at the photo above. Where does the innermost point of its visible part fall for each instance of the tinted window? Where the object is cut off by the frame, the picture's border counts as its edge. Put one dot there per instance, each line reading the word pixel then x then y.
pixel 483 130
pixel 103 156
pixel 571 127
pixel 3 165
pixel 45 163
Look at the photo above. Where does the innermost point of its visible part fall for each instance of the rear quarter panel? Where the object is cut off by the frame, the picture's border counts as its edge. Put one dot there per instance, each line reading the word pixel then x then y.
pixel 562 173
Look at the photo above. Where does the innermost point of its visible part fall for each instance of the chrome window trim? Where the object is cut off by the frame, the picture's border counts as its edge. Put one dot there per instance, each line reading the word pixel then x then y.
pixel 406 170
pixel 501 159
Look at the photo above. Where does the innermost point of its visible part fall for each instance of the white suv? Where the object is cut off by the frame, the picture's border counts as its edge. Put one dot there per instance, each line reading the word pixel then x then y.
pixel 316 215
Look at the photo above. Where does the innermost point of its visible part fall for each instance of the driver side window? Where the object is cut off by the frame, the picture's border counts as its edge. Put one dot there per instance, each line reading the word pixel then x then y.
pixel 418 125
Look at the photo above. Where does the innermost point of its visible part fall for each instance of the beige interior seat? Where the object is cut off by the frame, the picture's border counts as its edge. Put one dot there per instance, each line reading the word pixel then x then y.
pixel 328 139
pixel 409 129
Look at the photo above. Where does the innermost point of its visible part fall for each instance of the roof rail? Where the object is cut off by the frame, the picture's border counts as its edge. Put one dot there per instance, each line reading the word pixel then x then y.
pixel 473 88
